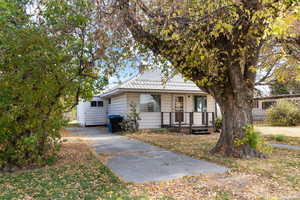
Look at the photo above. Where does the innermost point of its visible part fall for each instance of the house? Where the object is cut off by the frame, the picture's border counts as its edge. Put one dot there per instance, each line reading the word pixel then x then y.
pixel 175 103
pixel 91 113
pixel 261 104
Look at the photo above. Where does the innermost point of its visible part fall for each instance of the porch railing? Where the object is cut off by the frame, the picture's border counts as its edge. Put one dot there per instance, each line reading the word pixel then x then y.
pixel 187 120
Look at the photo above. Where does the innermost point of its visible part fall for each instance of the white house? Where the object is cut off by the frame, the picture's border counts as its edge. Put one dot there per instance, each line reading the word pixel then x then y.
pixel 160 105
pixel 94 112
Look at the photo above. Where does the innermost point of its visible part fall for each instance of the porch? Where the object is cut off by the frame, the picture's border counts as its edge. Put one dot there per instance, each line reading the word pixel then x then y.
pixel 195 122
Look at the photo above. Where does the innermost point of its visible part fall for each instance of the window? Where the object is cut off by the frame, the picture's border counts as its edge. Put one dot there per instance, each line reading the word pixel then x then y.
pixel 100 103
pixel 200 103
pixel 109 101
pixel 96 103
pixel 267 104
pixel 150 103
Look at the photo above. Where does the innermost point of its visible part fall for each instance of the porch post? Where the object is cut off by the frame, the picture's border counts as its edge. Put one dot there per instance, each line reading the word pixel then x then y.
pixel 162 119
pixel 170 119
pixel 179 129
pixel 213 121
pixel 191 122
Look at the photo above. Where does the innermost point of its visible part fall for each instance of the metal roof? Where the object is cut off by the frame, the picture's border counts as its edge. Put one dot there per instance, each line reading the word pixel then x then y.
pixel 278 96
pixel 151 81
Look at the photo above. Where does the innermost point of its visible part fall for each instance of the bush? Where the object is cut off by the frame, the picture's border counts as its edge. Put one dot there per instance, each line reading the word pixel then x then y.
pixel 254 140
pixel 284 113
pixel 218 124
pixel 130 123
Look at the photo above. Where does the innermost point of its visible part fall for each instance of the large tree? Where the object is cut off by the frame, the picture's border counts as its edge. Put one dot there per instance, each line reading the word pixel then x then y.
pixel 47 62
pixel 216 44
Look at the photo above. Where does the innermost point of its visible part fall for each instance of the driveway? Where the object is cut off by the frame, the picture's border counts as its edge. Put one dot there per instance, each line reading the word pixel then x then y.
pixel 138 162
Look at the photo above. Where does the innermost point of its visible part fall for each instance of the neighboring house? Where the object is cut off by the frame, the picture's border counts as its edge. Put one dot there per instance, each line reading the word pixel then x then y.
pixel 261 104
pixel 91 113
pixel 178 102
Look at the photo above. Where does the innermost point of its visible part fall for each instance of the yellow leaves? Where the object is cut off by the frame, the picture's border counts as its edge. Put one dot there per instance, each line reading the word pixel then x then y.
pixel 298 73
pixel 253 69
pixel 175 36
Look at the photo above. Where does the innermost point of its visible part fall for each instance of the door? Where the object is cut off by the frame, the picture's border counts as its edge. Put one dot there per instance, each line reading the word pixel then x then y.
pixel 179 108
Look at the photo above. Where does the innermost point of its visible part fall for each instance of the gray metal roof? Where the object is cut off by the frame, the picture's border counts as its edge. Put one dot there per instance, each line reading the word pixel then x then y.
pixel 151 81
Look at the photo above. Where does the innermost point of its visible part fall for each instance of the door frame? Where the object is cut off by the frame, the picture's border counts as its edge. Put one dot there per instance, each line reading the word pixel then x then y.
pixel 184 107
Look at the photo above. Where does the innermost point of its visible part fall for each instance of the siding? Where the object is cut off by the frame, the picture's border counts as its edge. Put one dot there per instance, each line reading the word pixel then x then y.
pixel 80 113
pixel 153 119
pixel 118 105
pixel 87 115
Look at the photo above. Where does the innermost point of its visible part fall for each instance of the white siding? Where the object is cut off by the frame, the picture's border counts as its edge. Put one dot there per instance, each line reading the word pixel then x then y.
pixel 118 105
pixel 153 119
pixel 88 116
pixel 80 113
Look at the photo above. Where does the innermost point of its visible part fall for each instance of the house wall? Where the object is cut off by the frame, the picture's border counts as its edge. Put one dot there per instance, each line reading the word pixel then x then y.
pixel 118 105
pixel 88 116
pixel 260 114
pixel 81 113
pixel 153 119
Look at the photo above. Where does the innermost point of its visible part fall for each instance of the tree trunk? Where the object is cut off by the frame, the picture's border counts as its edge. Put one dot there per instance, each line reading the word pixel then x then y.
pixel 237 113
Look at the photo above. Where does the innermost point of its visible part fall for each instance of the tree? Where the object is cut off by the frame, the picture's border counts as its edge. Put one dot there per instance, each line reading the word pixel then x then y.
pixel 216 44
pixel 46 63
pixel 289 87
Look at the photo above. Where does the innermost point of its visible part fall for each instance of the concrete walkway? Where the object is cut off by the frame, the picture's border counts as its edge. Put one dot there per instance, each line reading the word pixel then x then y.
pixel 138 162
pixel 285 146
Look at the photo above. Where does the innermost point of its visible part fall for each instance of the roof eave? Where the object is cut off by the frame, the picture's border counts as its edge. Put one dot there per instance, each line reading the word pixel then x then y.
pixel 138 90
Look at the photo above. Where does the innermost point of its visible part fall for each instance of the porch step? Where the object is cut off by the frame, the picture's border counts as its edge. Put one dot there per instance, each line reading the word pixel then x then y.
pixel 202 131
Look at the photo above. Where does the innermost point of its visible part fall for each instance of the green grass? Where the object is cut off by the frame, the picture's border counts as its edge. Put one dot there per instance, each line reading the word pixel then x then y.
pixel 88 180
pixel 279 138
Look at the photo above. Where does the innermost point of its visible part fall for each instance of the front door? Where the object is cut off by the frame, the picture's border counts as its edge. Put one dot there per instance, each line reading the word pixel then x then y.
pixel 179 108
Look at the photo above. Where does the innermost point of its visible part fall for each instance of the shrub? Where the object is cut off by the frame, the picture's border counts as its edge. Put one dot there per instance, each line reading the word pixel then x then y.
pixel 218 124
pixel 284 113
pixel 130 123
pixel 254 140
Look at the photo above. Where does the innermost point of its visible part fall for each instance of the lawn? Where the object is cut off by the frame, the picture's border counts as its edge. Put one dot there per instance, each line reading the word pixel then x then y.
pixel 77 175
pixel 272 130
pixel 277 177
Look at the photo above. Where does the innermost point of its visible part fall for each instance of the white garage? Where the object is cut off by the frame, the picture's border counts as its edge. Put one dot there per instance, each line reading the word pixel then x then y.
pixel 92 113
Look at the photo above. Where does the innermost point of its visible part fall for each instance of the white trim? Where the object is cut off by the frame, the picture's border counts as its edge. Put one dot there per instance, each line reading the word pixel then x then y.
pixel 122 90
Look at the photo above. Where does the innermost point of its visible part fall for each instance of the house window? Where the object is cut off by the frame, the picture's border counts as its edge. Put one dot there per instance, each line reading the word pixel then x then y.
pixel 200 103
pixel 267 104
pixel 96 103
pixel 100 103
pixel 150 103
pixel 255 104
pixel 109 101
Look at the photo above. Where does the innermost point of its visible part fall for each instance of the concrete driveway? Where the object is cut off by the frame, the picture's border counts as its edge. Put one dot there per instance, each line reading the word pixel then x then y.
pixel 138 162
